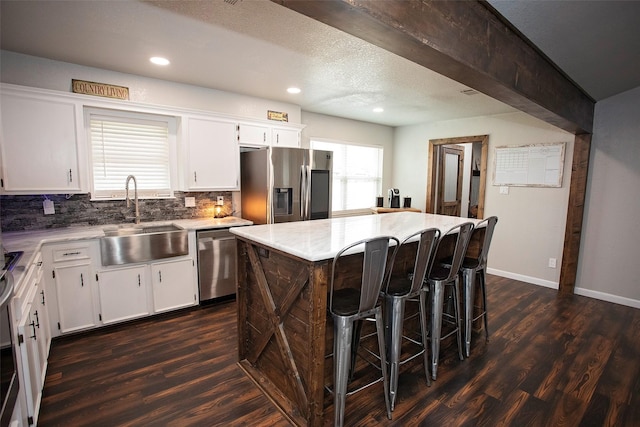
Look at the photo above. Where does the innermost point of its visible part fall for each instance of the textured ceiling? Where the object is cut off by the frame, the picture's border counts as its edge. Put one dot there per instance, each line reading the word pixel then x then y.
pixel 260 48
pixel 257 48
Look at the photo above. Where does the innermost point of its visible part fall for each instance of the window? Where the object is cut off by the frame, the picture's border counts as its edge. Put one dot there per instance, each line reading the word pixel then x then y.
pixel 123 144
pixel 357 174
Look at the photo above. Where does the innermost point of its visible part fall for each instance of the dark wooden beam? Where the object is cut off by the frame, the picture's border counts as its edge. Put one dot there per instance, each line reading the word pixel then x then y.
pixel 575 211
pixel 468 42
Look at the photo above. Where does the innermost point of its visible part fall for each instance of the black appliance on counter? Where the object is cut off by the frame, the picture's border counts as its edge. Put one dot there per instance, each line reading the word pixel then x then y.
pixel 394 198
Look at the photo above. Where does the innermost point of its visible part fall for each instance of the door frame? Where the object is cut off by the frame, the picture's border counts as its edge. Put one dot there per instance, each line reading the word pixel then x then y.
pixel 458 151
pixel 432 168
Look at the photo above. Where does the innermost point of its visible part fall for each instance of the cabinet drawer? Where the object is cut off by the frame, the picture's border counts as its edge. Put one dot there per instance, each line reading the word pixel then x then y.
pixel 71 253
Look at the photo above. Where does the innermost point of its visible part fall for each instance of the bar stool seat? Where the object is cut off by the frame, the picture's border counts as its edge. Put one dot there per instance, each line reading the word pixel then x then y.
pixel 442 278
pixel 407 286
pixel 350 305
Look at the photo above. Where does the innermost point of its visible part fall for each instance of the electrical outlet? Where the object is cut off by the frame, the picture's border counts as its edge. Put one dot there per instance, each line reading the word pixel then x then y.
pixel 220 201
pixel 552 263
pixel 504 189
pixel 189 202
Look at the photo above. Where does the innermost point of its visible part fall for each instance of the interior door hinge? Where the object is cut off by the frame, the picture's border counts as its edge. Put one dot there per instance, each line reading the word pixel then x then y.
pixel 100 316
pixel 53 273
pixel 96 277
pixel 20 339
pixel 59 326
pixel 1 182
pixel 30 420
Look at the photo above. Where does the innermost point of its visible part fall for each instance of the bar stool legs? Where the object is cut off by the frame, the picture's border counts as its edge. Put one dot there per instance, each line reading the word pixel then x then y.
pixel 344 346
pixel 437 290
pixel 469 289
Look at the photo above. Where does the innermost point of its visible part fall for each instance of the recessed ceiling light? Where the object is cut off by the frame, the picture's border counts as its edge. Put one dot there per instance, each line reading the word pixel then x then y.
pixel 159 60
pixel 378 110
pixel 293 90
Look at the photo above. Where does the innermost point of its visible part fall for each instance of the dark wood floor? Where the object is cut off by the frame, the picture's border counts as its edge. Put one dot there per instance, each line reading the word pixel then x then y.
pixel 570 361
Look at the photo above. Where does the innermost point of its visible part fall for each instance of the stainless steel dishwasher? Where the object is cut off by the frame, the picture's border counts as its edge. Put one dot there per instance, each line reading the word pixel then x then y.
pixel 216 264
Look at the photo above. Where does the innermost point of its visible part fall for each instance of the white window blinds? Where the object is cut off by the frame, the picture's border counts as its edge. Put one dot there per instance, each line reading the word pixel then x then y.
pixel 133 145
pixel 357 174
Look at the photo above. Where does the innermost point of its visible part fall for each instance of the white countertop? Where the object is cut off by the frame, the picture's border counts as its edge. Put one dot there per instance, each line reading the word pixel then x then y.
pixel 30 241
pixel 322 239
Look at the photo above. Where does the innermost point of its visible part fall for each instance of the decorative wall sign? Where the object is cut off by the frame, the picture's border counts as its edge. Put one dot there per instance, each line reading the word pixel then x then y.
pixel 99 89
pixel 537 165
pixel 277 115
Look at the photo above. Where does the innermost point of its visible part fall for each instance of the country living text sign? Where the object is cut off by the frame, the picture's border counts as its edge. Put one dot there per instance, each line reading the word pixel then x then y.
pixel 99 89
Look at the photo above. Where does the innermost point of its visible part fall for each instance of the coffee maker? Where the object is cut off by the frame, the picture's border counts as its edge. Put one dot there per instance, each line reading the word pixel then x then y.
pixel 394 198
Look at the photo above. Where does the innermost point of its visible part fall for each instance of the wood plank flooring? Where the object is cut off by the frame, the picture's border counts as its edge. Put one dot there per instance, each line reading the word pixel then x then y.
pixel 550 361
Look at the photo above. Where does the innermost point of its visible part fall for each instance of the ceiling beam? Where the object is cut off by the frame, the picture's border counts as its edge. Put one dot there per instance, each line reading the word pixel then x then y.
pixel 466 41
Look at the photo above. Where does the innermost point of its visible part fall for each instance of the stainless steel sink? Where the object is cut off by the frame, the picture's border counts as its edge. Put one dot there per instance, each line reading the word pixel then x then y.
pixel 140 243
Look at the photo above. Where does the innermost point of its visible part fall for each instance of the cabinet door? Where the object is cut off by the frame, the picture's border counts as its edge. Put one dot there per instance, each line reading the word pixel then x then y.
pixel 285 138
pixel 29 355
pixel 173 285
pixel 253 134
pixel 41 314
pixel 39 145
pixel 75 297
pixel 123 294
pixel 214 155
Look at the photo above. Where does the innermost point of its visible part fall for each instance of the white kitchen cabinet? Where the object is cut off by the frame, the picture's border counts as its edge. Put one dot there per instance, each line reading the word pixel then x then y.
pixel 123 293
pixel 39 143
pixel 281 137
pixel 213 155
pixel 254 135
pixel 173 284
pixel 71 285
pixel 33 338
pixel 41 313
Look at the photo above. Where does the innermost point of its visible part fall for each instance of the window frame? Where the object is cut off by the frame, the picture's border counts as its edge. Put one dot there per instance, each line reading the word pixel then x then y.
pixel 358 211
pixel 173 125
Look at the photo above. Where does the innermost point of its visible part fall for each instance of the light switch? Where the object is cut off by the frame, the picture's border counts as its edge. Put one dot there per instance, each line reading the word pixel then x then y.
pixel 189 202
pixel 504 189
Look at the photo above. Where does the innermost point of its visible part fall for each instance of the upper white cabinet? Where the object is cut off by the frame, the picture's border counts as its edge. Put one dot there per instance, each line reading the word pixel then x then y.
pixel 254 134
pixel 39 143
pixel 281 137
pixel 213 156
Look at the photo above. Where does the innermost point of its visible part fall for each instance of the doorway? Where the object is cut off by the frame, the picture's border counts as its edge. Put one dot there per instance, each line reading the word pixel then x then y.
pixel 436 180
pixel 450 180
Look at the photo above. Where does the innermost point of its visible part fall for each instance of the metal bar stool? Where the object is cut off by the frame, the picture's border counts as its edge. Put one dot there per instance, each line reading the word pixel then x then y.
pixel 470 268
pixel 440 277
pixel 399 290
pixel 349 306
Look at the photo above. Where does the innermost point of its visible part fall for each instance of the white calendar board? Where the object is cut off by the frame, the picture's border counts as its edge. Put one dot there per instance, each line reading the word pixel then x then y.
pixel 537 165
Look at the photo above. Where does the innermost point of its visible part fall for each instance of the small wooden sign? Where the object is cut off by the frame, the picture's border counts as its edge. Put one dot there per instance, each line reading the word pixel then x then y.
pixel 99 89
pixel 277 115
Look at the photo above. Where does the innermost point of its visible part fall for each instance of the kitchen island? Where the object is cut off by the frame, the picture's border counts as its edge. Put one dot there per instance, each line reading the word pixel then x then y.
pixel 283 278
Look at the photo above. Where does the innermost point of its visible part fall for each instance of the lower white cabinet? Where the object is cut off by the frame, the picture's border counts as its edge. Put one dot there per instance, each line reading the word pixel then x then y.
pixel 170 281
pixel 123 294
pixel 33 338
pixel 85 295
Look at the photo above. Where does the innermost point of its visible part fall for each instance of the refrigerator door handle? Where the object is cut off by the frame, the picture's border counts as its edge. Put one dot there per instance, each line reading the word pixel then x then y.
pixel 307 199
pixel 303 192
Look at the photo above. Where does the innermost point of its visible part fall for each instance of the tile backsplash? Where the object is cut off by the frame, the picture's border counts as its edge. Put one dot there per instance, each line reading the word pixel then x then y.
pixel 19 213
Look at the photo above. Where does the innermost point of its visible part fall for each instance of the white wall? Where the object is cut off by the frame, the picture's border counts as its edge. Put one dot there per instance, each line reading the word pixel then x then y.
pixel 339 129
pixel 609 266
pixel 43 73
pixel 531 221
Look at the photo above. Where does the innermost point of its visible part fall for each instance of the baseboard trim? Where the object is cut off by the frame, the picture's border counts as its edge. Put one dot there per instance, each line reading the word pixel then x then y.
pixel 629 302
pixel 523 278
pixel 607 297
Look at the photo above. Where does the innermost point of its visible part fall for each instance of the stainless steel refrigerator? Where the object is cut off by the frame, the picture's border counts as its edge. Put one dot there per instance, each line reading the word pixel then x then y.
pixel 285 184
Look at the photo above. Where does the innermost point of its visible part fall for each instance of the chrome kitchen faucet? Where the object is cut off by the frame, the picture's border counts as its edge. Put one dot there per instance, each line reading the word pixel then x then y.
pixel 135 195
